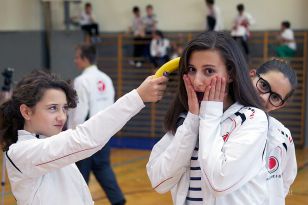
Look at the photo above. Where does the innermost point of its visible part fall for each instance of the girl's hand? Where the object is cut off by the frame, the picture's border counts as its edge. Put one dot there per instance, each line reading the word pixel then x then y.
pixel 152 89
pixel 193 104
pixel 216 90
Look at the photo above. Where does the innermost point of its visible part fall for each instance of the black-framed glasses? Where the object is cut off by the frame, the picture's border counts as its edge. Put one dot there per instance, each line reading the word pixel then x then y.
pixel 264 87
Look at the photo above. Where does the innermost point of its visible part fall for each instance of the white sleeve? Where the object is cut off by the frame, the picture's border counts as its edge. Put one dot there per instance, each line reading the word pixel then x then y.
pixel 83 19
pixel 287 35
pixel 38 156
pixel 251 19
pixel 290 168
pixel 170 157
pixel 78 115
pixel 219 21
pixel 228 166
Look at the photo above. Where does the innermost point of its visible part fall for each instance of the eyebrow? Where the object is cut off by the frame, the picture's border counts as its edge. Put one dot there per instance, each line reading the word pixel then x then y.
pixel 206 65
pixel 55 104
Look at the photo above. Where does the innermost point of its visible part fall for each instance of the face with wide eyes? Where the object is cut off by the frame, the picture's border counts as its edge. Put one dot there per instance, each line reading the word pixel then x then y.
pixel 202 67
pixel 49 115
pixel 272 87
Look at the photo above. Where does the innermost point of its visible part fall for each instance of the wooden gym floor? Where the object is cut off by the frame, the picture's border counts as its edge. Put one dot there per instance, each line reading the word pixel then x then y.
pixel 129 166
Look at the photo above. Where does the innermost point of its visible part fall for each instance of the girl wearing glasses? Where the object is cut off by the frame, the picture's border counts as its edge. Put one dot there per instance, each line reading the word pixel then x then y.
pixel 213 151
pixel 275 82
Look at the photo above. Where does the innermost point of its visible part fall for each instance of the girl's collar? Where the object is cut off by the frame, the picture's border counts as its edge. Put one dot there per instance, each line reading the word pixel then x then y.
pixel 231 110
pixel 24 134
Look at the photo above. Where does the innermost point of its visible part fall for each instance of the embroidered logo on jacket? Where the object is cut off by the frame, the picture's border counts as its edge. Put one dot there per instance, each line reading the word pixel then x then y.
pixel 273 164
pixel 101 86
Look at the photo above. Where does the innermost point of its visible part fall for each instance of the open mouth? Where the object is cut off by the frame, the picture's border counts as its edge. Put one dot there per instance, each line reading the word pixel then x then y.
pixel 200 96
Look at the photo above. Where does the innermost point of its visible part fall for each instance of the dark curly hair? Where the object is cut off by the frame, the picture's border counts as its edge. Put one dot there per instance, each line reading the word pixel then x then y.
pixel 29 91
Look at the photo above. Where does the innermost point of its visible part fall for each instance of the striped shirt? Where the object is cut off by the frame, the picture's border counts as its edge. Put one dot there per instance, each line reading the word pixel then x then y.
pixel 194 195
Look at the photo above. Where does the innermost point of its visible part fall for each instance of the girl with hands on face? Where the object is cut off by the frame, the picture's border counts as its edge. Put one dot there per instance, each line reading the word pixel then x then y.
pixel 215 91
pixel 213 151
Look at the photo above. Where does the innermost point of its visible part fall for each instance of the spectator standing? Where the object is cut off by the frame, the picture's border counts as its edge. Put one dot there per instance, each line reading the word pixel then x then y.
pixel 150 23
pixel 137 29
pixel 241 27
pixel 214 21
pixel 95 93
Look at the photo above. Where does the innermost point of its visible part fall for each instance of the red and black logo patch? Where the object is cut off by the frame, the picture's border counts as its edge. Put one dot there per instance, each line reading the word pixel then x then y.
pixel 273 164
pixel 101 86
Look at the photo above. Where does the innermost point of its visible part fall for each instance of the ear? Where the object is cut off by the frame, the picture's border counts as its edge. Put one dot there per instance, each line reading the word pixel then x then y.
pixel 283 105
pixel 253 73
pixel 25 111
pixel 230 79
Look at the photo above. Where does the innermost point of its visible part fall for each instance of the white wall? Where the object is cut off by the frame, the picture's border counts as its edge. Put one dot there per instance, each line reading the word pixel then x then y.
pixel 20 15
pixel 173 15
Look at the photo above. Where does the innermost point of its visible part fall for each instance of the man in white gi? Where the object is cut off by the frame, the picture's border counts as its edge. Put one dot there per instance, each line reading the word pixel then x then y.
pixel 95 92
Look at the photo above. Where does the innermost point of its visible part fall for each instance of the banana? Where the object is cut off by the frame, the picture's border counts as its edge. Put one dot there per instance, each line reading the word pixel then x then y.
pixel 169 67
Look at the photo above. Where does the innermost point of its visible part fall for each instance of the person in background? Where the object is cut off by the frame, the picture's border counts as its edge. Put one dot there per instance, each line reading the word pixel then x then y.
pixel 159 49
pixel 150 23
pixel 95 92
pixel 89 25
pixel 138 31
pixel 287 41
pixel 214 21
pixel 241 28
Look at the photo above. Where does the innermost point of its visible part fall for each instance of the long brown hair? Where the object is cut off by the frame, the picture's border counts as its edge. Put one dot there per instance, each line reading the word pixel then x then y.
pixel 240 89
pixel 29 91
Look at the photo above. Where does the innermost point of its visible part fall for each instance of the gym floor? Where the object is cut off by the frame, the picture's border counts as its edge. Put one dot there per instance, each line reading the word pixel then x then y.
pixel 129 166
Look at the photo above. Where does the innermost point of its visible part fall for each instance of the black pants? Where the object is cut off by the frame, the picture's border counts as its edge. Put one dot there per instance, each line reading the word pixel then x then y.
pixel 147 39
pixel 211 22
pixel 242 41
pixel 99 163
pixel 91 29
pixel 139 47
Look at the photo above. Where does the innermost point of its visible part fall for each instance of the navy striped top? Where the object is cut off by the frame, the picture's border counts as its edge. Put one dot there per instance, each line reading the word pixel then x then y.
pixel 194 196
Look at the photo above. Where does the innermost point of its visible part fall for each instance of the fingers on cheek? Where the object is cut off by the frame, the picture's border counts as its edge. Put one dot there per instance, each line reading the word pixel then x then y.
pixel 184 77
pixel 207 93
pixel 219 81
pixel 191 91
pixel 223 85
pixel 213 81
pixel 212 91
pixel 185 80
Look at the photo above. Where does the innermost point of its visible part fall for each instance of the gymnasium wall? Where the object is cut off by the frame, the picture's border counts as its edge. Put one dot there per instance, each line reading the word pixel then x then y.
pixel 22 51
pixel 306 117
pixel 22 44
pixel 186 15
